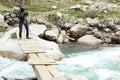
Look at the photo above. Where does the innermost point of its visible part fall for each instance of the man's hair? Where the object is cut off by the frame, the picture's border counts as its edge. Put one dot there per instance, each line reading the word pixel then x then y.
pixel 22 10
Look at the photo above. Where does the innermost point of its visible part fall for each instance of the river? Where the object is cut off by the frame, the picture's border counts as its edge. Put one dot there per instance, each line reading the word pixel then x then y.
pixel 96 63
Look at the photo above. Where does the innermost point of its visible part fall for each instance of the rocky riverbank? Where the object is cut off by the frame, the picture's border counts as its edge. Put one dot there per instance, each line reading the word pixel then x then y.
pixel 89 30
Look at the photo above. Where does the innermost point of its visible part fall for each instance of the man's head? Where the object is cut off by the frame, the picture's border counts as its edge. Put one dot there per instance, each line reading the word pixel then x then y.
pixel 22 10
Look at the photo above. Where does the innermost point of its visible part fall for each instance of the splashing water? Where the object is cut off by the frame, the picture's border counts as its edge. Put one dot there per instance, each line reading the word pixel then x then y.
pixel 97 64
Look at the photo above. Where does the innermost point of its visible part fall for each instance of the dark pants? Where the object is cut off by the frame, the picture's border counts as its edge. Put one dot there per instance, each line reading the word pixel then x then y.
pixel 21 23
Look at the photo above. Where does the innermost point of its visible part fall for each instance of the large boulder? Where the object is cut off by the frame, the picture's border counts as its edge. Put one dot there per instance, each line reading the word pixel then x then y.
pixel 52 34
pixel 49 47
pixel 37 29
pixel 55 54
pixel 78 30
pixel 89 40
pixel 12 55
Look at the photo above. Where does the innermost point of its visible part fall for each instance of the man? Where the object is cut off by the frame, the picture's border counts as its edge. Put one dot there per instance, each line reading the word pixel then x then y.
pixel 23 21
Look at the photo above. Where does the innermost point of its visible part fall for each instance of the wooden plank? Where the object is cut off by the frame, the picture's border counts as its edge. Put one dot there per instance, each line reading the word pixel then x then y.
pixel 40 62
pixel 45 57
pixel 55 73
pixel 42 73
pixel 34 51
pixel 33 56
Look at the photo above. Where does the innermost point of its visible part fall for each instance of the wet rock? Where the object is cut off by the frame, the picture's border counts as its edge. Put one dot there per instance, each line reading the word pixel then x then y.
pixel 55 54
pixel 89 40
pixel 12 55
pixel 78 30
pixel 5 78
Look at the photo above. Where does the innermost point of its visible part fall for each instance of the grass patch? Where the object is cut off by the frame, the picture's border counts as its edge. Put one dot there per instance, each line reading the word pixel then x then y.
pixel 77 13
pixel 113 1
pixel 111 14
pixel 2 29
pixel 36 8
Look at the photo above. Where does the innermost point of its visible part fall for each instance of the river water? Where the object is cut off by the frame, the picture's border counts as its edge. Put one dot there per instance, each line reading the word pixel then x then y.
pixel 96 63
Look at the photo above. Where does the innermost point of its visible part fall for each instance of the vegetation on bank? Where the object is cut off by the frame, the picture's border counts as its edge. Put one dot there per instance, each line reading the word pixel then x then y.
pixel 46 7
pixel 111 14
pixel 2 29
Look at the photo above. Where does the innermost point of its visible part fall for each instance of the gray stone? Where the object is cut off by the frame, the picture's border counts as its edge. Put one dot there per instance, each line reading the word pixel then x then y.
pixel 68 25
pixel 52 34
pixel 117 27
pixel 107 30
pixel 93 22
pixel 78 30
pixel 98 34
pixel 76 7
pixel 116 39
pixel 13 15
pixel 89 40
pixel 117 33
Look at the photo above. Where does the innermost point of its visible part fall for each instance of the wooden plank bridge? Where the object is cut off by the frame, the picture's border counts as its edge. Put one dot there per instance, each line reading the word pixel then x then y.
pixel 44 66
